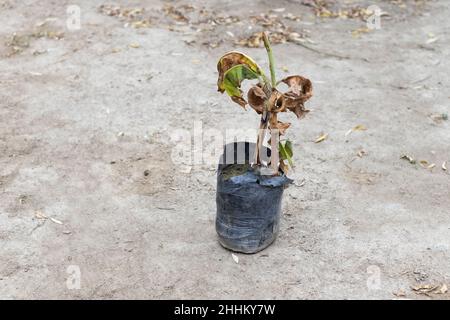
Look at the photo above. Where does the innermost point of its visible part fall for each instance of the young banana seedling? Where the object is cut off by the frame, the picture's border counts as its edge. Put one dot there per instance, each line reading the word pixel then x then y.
pixel 264 97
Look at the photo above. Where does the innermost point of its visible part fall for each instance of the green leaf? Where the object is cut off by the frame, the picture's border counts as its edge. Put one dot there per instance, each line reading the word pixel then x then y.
pixel 232 80
pixel 286 151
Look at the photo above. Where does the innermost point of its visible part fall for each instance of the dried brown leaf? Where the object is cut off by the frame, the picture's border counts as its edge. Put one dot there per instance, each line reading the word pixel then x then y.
pixel 232 59
pixel 256 98
pixel 409 158
pixel 443 289
pixel 300 90
pixel 321 138
pixel 239 100
pixel 283 126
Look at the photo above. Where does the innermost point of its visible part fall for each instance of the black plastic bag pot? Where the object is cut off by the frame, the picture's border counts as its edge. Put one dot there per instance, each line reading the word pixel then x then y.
pixel 248 204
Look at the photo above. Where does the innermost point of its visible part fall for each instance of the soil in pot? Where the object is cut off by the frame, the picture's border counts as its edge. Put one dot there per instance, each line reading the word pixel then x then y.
pixel 248 204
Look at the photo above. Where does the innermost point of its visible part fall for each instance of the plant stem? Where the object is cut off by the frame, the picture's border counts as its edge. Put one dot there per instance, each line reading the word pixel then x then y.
pixel 272 116
pixel 271 59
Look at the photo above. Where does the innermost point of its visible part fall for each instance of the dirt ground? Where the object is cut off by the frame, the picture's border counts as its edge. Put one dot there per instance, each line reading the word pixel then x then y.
pixel 88 190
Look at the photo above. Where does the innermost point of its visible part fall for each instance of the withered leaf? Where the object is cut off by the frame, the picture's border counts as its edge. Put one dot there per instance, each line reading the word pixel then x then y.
pixel 232 80
pixel 283 126
pixel 300 90
pixel 256 98
pixel 231 59
pixel 234 67
pixel 409 158
pixel 300 86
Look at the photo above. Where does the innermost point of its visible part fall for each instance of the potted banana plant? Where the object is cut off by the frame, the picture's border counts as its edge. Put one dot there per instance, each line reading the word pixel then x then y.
pixel 249 192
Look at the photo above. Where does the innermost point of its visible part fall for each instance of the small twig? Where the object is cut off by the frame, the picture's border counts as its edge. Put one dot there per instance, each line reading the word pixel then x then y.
pixel 272 117
pixel 326 53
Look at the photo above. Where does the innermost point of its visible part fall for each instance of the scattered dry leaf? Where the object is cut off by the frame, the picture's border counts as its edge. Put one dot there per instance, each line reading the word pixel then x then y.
pixel 40 215
pixel 283 126
pixel 321 138
pixel 428 289
pixel 400 293
pixel 443 289
pixel 409 158
pixel 424 163
pixel 361 153
pixel 134 45
pixel 235 258
pixel 444 166
pixel 256 98
pixel 358 127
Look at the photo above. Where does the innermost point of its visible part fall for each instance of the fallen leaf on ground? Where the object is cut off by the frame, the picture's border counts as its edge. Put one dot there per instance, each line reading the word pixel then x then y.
pixel 321 138
pixel 56 221
pixel 430 288
pixel 424 163
pixel 134 45
pixel 439 117
pixel 399 293
pixel 443 289
pixel 409 158
pixel 235 258
pixel 361 153
pixel 359 127
pixel 40 215
pixel 357 33
pixel 424 288
pixel 444 166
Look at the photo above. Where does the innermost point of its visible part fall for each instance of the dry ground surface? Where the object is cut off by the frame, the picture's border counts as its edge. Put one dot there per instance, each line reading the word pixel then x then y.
pixel 86 177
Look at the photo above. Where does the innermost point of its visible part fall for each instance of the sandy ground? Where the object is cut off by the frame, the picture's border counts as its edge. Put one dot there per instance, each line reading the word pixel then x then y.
pixel 85 113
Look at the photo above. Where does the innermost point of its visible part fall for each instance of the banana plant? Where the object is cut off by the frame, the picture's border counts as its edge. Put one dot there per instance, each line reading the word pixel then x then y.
pixel 264 97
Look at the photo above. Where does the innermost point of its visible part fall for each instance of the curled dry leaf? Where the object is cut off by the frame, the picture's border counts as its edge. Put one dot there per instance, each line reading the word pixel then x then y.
pixel 300 90
pixel 430 288
pixel 234 67
pixel 299 86
pixel 409 158
pixel 235 258
pixel 231 59
pixel 444 166
pixel 283 126
pixel 424 163
pixel 256 98
pixel 275 102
